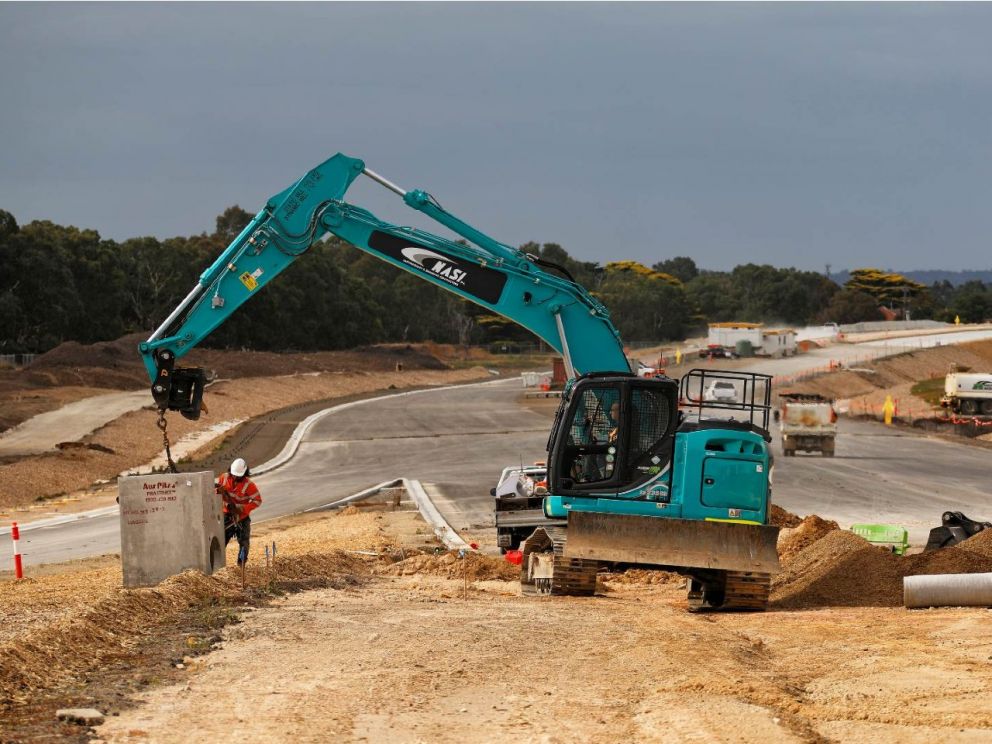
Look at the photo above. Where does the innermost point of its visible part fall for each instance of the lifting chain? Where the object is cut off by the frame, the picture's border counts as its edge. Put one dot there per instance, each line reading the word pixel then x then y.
pixel 163 425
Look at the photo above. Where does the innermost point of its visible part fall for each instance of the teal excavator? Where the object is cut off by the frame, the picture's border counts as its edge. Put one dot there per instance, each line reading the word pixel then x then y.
pixel 640 471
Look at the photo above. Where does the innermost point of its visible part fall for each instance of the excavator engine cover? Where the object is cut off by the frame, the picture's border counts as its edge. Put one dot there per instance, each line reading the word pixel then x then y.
pixel 677 543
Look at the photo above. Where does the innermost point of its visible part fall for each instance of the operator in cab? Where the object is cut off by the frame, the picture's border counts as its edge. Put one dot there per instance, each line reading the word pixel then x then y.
pixel 241 497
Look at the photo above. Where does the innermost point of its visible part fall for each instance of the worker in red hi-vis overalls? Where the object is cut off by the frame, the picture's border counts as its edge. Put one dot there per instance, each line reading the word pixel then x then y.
pixel 241 496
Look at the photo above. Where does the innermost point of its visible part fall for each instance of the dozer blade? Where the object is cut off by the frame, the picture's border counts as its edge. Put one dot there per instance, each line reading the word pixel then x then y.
pixel 626 538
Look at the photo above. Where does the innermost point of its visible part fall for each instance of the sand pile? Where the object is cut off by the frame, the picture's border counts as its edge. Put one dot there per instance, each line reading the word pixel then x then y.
pixel 449 565
pixel 793 540
pixel 782 518
pixel 842 569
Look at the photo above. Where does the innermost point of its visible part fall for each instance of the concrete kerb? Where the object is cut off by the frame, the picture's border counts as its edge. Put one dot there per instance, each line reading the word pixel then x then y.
pixel 293 444
pixel 355 496
pixel 444 532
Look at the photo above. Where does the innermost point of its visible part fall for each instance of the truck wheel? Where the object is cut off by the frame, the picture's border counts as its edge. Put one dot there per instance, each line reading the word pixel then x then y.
pixel 969 407
pixel 827 448
pixel 987 407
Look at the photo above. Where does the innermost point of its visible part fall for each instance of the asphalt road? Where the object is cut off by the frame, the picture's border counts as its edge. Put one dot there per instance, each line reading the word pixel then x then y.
pixel 886 475
pixel 460 439
pixel 457 440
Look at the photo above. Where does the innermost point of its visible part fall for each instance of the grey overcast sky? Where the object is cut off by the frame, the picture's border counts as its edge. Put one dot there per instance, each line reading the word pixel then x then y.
pixel 796 135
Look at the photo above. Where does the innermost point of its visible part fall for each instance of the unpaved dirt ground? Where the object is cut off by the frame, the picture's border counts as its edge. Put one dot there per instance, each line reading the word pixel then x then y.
pixel 412 660
pixel 415 659
pixel 409 646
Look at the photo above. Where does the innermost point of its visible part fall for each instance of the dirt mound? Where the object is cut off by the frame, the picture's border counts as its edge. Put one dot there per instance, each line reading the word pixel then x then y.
pixel 117 364
pixel 450 566
pixel 643 576
pixel 842 569
pixel 793 540
pixel 838 569
pixel 980 544
pixel 107 364
pixel 112 629
pixel 782 518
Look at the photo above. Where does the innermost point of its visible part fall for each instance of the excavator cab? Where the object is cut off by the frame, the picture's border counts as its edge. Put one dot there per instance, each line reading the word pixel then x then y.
pixel 612 434
pixel 686 490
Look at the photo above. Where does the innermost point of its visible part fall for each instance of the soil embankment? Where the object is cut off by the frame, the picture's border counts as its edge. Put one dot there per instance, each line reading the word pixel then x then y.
pixel 867 386
pixel 263 384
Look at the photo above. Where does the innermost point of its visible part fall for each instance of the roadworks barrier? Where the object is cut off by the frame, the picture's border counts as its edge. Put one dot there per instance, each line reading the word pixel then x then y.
pixel 948 590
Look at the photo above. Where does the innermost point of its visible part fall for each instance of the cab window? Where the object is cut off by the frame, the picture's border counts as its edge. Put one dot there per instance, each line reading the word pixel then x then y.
pixel 591 449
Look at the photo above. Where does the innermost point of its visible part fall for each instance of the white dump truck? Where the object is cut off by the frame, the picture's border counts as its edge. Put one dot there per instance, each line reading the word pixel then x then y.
pixel 968 393
pixel 809 423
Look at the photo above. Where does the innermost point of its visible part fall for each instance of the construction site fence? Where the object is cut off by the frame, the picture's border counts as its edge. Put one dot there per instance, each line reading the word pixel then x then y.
pixel 540 380
pixel 513 347
pixel 924 419
pixel 16 360
pixel 835 365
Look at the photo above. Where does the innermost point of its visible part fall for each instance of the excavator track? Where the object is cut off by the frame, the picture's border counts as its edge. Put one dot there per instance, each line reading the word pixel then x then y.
pixel 746 591
pixel 739 591
pixel 574 577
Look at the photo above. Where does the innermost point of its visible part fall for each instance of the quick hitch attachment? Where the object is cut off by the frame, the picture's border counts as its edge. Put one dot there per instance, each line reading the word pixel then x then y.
pixel 178 388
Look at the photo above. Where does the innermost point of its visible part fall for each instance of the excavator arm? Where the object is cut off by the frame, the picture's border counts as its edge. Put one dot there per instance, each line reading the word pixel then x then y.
pixel 496 276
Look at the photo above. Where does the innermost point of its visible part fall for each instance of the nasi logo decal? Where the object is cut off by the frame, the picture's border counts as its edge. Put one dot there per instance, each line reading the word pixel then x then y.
pixel 983 385
pixel 434 263
pixel 475 280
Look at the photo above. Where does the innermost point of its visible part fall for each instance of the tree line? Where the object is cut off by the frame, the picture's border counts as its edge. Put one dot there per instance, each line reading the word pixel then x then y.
pixel 61 283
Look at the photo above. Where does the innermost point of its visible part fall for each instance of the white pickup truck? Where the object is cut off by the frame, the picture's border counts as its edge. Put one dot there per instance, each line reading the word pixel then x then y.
pixel 519 498
pixel 968 393
pixel 808 423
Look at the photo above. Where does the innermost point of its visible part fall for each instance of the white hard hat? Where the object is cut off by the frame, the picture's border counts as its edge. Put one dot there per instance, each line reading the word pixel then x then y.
pixel 239 467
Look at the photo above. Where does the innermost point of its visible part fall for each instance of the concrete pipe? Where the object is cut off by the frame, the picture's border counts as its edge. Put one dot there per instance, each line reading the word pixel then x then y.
pixel 948 590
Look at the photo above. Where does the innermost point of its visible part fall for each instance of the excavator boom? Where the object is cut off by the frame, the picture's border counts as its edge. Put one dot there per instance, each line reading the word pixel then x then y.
pixel 498 277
